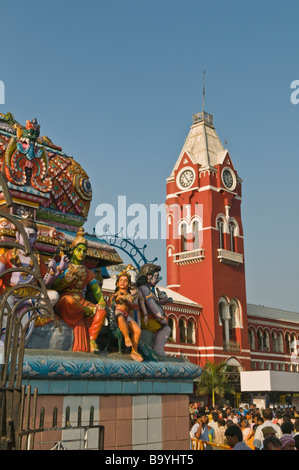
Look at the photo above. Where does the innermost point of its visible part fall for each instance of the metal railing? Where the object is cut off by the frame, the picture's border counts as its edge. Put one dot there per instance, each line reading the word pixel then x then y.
pixel 29 436
pixel 15 324
pixel 198 444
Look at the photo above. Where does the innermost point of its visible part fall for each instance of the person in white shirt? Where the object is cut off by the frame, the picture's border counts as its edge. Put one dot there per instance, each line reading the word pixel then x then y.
pixel 259 436
pixel 214 421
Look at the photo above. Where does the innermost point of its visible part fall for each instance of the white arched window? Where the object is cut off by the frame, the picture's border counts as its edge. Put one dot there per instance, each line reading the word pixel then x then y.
pixel 191 332
pixel 263 340
pixel 251 339
pixel 232 235
pixel 274 339
pixel 172 326
pixel 195 231
pixel 182 328
pixel 280 342
pixel 288 341
pixel 184 236
pixel 220 227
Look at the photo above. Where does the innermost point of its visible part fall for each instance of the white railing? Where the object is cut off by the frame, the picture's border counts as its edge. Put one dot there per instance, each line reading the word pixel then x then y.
pixel 231 346
pixel 186 257
pixel 230 257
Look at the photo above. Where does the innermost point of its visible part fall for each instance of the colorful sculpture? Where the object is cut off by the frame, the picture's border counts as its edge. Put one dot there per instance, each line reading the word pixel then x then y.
pixel 147 280
pixel 83 316
pixel 16 258
pixel 123 304
pixel 25 163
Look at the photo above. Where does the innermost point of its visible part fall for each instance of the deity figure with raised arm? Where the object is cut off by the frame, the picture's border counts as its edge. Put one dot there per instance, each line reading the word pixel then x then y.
pixel 17 258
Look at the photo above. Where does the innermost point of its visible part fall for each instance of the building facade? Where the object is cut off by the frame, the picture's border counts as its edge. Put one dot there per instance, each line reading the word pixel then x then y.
pixel 206 264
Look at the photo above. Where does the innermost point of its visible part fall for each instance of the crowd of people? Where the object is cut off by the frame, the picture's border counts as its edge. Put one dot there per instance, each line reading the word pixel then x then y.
pixel 247 428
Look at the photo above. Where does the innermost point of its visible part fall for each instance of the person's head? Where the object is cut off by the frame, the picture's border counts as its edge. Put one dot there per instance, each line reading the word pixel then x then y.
pixel 286 417
pixel 233 435
pixel 287 427
pixel 30 228
pixel 202 417
pixel 215 416
pixel 224 414
pixel 287 442
pixel 268 431
pixel 267 414
pixel 221 422
pixel 229 422
pixel 272 443
pixel 78 248
pixel 260 420
pixel 296 425
pixel 123 282
pixel 243 422
pixel 149 273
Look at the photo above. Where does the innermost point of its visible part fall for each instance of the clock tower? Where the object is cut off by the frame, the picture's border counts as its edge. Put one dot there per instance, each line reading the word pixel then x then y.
pixel 205 244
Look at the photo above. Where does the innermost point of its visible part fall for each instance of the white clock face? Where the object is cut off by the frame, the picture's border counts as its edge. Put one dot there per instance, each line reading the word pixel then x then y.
pixel 228 178
pixel 186 178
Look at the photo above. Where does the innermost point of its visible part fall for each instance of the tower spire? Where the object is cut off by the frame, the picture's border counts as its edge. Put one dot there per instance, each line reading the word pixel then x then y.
pixel 204 91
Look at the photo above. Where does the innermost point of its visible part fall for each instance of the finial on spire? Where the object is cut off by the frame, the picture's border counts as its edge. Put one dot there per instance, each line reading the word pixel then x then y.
pixel 203 116
pixel 204 91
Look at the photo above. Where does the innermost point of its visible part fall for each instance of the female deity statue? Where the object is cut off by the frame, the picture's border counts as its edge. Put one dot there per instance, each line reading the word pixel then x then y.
pixel 123 304
pixel 83 316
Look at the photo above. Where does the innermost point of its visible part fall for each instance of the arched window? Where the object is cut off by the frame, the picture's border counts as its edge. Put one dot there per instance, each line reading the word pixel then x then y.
pixel 293 343
pixel 280 342
pixel 259 340
pixel 263 340
pixel 184 237
pixel 232 234
pixel 274 339
pixel 182 328
pixel 236 313
pixel 288 342
pixel 223 309
pixel 191 332
pixel 172 326
pixel 195 231
pixel 251 339
pixel 232 322
pixel 220 227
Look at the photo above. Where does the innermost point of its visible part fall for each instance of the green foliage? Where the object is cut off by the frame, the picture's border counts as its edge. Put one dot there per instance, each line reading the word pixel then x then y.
pixel 214 381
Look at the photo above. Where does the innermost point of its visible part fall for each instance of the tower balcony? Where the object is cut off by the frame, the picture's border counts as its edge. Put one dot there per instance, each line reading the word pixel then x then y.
pixel 232 346
pixel 188 257
pixel 230 257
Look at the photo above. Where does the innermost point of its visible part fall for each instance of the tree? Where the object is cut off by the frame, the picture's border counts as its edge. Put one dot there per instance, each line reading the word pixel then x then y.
pixel 214 381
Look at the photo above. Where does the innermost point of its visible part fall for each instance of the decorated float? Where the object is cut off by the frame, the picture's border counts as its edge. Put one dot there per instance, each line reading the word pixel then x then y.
pixel 101 358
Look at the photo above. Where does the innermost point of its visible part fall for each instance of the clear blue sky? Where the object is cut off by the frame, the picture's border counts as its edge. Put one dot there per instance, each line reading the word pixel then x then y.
pixel 115 83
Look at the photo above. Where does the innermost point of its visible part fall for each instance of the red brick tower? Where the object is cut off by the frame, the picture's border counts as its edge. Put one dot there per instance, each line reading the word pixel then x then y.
pixel 205 250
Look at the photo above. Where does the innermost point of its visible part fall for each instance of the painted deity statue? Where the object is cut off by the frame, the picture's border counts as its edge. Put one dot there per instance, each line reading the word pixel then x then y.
pixel 16 258
pixel 25 162
pixel 83 316
pixel 147 280
pixel 123 303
